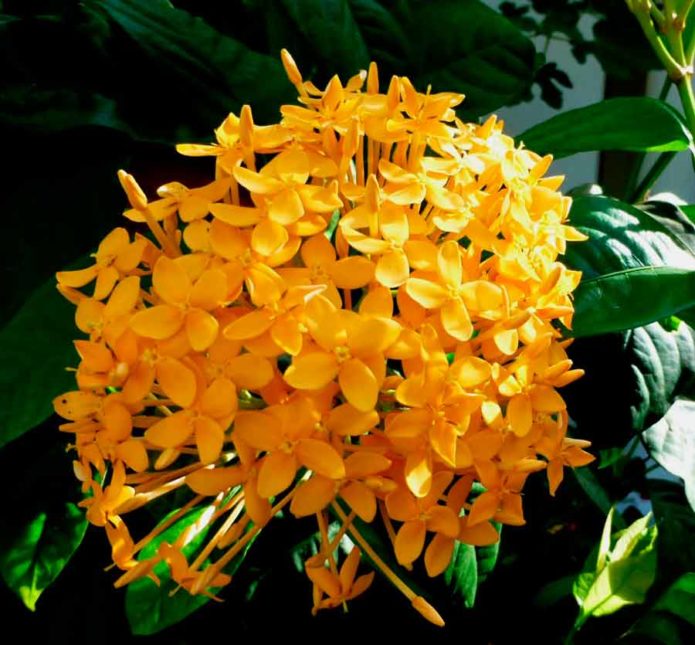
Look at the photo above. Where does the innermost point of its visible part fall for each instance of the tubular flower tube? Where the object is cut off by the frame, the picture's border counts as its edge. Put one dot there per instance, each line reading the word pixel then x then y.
pixel 359 312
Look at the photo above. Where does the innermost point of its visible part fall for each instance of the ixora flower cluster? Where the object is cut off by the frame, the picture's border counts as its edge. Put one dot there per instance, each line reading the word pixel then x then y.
pixel 356 318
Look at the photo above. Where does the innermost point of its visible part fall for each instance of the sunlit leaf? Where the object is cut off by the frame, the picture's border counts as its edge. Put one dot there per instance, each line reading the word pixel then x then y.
pixel 613 124
pixel 37 555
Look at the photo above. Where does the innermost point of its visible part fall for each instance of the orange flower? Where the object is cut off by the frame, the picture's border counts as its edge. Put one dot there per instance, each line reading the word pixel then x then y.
pixel 386 280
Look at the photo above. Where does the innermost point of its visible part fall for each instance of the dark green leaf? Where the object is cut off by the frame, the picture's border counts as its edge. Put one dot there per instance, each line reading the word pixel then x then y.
pixel 461 576
pixel 670 616
pixel 333 33
pixel 671 442
pixel 662 367
pixel 36 346
pixel 216 72
pixel 464 46
pixel 46 110
pixel 151 608
pixel 35 557
pixel 613 124
pixel 679 599
pixel 631 298
pixel 593 489
pixel 676 521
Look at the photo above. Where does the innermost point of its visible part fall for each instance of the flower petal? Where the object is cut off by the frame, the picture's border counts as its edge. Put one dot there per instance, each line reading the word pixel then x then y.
pixel 201 329
pixel 312 496
pixel 177 381
pixel 361 499
pixel 209 290
pixel 159 322
pixel 392 269
pixel 276 473
pixel 409 541
pixel 312 371
pixel 438 554
pixel 346 420
pixel 209 439
pixel 352 272
pixel 321 457
pixel 426 293
pixel 268 237
pixel 456 321
pixel 171 431
pixel 170 280
pixel 358 384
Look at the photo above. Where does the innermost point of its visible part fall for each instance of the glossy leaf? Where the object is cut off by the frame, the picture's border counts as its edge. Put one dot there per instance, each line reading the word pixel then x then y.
pixel 37 555
pixel 631 298
pixel 613 124
pixel 622 236
pixel 676 521
pixel 671 442
pixel 36 347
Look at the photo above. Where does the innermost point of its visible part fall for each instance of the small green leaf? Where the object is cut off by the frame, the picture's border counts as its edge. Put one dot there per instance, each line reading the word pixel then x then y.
pixel 461 576
pixel 151 608
pixel 671 441
pixel 613 124
pixel 623 575
pixel 35 558
pixel 631 298
pixel 624 582
pixel 605 543
pixel 36 347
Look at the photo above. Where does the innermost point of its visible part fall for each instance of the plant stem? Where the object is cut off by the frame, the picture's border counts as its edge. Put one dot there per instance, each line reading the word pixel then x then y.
pixel 663 160
pixel 685 91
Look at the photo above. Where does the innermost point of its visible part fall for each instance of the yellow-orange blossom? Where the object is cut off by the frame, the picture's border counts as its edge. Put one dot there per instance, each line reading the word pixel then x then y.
pixel 363 325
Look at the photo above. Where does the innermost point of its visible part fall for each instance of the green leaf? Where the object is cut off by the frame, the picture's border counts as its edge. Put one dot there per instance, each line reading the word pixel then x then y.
pixel 631 298
pixel 670 615
pixel 53 110
pixel 621 583
pixel 662 368
pixel 671 441
pixel 36 346
pixel 216 72
pixel 613 124
pixel 151 608
pixel 461 576
pixel 676 521
pixel 622 236
pixel 679 599
pixel 605 543
pixel 623 575
pixel 333 33
pixel 593 489
pixel 464 46
pixel 35 557
pixel 487 556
